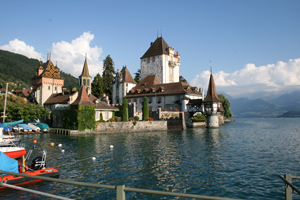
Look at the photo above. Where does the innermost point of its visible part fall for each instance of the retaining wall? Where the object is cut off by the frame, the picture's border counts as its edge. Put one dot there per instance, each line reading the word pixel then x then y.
pixel 140 126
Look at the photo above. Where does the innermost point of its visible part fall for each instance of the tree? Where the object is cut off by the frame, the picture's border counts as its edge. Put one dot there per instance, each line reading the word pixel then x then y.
pixel 137 77
pixel 97 86
pixel 145 109
pixel 108 75
pixel 181 79
pixel 125 110
pixel 226 106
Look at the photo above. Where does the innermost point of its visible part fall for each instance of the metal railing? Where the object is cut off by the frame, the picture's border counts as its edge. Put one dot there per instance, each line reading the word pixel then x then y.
pixel 289 187
pixel 120 190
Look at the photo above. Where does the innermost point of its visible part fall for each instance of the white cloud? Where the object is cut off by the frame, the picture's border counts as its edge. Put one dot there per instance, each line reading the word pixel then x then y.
pixel 278 77
pixel 20 47
pixel 70 56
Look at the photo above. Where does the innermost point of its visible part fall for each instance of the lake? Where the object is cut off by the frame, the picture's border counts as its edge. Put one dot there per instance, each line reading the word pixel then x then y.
pixel 241 159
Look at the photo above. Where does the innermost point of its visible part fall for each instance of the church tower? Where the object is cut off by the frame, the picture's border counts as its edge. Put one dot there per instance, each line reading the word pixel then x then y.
pixel 161 60
pixel 85 79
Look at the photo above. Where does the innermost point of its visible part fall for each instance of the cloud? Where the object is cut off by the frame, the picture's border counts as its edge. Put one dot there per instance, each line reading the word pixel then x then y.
pixel 70 56
pixel 278 77
pixel 20 47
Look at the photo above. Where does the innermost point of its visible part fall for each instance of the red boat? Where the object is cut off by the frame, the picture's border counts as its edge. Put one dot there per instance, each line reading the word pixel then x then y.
pixel 13 152
pixel 36 168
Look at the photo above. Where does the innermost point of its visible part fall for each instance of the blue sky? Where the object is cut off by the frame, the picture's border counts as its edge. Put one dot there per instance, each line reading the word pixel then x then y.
pixel 253 45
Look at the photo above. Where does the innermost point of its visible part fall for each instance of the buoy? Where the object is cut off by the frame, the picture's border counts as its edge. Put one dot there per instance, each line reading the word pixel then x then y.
pixel 59 145
pixel 111 146
pixel 63 150
pixel 93 158
pixel 52 144
pixel 34 141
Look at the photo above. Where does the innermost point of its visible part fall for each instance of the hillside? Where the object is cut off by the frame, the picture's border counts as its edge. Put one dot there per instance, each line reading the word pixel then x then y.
pixel 20 69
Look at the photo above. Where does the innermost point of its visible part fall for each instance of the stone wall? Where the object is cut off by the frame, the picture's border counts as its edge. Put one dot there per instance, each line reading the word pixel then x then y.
pixel 140 126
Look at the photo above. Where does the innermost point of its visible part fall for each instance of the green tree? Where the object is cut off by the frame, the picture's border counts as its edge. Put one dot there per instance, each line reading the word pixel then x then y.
pixel 97 86
pixel 137 77
pixel 145 109
pixel 181 79
pixel 226 105
pixel 108 75
pixel 125 110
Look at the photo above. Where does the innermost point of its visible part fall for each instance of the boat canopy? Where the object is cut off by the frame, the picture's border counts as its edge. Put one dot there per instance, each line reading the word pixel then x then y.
pixel 42 126
pixel 24 126
pixel 12 123
pixel 8 164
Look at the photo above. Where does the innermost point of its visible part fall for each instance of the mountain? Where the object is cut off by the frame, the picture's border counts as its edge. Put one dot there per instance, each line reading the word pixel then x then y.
pixel 244 107
pixel 291 113
pixel 20 69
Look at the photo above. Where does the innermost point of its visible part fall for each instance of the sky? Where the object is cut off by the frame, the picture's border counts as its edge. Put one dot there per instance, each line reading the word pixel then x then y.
pixel 252 46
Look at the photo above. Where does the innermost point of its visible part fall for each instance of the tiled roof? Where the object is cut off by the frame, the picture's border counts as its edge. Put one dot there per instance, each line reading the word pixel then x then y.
pixel 127 76
pixel 104 106
pixel 58 98
pixel 212 95
pixel 159 47
pixel 83 98
pixel 85 70
pixel 50 71
pixel 150 86
pixel 25 92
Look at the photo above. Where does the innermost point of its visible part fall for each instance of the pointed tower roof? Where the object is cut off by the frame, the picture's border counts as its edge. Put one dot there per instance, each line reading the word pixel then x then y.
pixel 127 76
pixel 212 95
pixel 49 71
pixel 85 70
pixel 159 47
pixel 83 98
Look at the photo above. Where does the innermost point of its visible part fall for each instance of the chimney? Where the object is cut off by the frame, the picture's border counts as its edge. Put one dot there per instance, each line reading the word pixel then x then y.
pixel 70 90
pixel 63 91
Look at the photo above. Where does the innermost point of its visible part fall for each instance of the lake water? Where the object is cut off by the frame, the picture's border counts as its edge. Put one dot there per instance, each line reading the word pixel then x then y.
pixel 239 160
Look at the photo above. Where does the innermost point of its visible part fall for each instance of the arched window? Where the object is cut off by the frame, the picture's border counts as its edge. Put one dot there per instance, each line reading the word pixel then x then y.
pixel 84 82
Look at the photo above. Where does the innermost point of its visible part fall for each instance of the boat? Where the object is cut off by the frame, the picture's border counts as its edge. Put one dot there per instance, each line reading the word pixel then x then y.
pixel 34 127
pixel 8 140
pixel 44 127
pixel 13 152
pixel 24 127
pixel 36 168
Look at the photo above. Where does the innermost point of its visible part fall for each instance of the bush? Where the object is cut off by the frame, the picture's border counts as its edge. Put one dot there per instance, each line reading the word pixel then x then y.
pixel 111 120
pixel 165 109
pixel 176 110
pixel 136 118
pixel 199 116
pixel 131 119
pixel 118 119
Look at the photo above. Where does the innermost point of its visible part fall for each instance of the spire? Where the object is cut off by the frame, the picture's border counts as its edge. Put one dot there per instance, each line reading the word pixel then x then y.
pixel 85 70
pixel 212 95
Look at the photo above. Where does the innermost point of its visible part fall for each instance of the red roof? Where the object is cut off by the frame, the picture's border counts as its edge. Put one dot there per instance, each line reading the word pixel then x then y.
pixel 83 98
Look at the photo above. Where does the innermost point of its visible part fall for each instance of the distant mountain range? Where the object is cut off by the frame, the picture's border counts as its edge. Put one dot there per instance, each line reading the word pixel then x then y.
pixel 287 105
pixel 20 69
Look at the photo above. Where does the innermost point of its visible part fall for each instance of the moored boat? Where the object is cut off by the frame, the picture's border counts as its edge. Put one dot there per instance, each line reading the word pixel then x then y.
pixel 13 152
pixel 36 168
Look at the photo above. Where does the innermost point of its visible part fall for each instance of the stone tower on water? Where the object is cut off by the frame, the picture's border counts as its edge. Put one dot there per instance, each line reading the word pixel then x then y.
pixel 212 105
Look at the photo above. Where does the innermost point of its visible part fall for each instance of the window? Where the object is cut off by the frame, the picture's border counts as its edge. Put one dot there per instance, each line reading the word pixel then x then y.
pixel 148 60
pixel 88 82
pixel 48 87
pixel 171 71
pixel 153 59
pixel 84 82
pixel 150 100
pixel 106 115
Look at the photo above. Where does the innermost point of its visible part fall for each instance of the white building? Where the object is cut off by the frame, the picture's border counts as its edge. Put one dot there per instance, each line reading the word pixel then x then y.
pixel 122 84
pixel 160 59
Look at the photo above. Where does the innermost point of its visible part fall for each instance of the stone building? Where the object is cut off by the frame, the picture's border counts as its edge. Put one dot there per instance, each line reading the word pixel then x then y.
pixel 160 59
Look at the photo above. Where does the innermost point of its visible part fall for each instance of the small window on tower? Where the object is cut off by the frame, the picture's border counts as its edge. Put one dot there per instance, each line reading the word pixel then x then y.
pixel 84 82
pixel 88 82
pixel 48 87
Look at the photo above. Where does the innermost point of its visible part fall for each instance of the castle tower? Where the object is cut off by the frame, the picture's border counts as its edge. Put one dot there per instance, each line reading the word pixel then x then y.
pixel 85 79
pixel 160 59
pixel 47 81
pixel 212 105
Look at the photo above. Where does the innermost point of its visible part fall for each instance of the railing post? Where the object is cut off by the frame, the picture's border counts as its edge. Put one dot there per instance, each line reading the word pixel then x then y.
pixel 120 192
pixel 288 189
